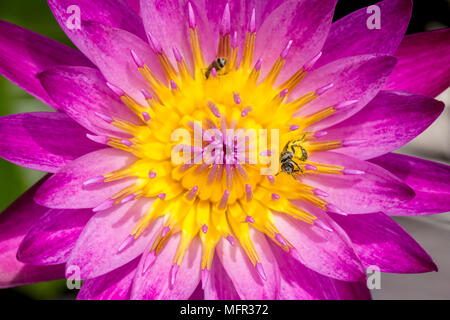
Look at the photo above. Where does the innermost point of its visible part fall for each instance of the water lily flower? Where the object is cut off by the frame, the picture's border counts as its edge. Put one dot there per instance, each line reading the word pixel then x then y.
pixel 117 212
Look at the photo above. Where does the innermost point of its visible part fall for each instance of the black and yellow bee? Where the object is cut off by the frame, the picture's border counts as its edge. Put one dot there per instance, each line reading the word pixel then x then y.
pixel 217 64
pixel 293 150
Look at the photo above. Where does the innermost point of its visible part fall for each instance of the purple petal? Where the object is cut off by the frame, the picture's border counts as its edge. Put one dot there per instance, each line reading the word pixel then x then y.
pixel 240 15
pixel 134 4
pixel 154 284
pixel 388 122
pixel 65 189
pixel 375 190
pixel 305 22
pixel 44 141
pixel 219 285
pixel 53 236
pixel 168 23
pixel 350 35
pixel 111 286
pixel 328 253
pixel 354 78
pixel 97 249
pixel 82 92
pixel 378 240
pixel 116 14
pixel 109 49
pixel 15 222
pixel 246 280
pixel 430 181
pixel 23 54
pixel 301 283
pixel 423 64
pixel 198 294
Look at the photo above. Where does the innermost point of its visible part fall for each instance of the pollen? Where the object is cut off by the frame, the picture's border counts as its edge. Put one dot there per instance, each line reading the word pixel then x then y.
pixel 219 190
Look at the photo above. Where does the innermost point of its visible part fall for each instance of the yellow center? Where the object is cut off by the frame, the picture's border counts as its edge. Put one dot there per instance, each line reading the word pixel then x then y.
pixel 218 200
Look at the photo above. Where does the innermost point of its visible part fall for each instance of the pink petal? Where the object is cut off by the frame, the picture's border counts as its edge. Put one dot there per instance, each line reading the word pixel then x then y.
pixel 82 93
pixel 111 286
pixel 301 283
pixel 168 23
pixel 116 14
pixel 430 181
pixel 134 4
pixel 154 284
pixel 23 54
pixel 65 189
pixel 423 64
pixel 44 141
pixel 354 78
pixel 197 294
pixel 240 15
pixel 388 122
pixel 110 50
pixel 97 250
pixel 243 274
pixel 305 22
pixel 327 252
pixel 374 190
pixel 350 35
pixel 378 240
pixel 53 236
pixel 219 286
pixel 15 222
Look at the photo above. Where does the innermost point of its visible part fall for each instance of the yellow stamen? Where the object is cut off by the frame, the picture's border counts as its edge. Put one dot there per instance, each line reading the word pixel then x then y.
pixel 218 200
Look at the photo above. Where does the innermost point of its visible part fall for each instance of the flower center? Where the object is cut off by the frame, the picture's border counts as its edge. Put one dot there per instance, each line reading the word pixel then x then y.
pixel 219 148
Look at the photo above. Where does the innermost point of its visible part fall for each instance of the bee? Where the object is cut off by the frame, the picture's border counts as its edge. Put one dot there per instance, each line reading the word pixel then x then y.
pixel 217 64
pixel 292 150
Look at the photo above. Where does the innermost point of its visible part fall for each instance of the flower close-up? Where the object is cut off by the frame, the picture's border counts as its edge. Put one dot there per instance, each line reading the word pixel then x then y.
pixel 221 149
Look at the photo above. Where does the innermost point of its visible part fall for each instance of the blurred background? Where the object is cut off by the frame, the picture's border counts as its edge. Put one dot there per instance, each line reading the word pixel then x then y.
pixel 432 232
